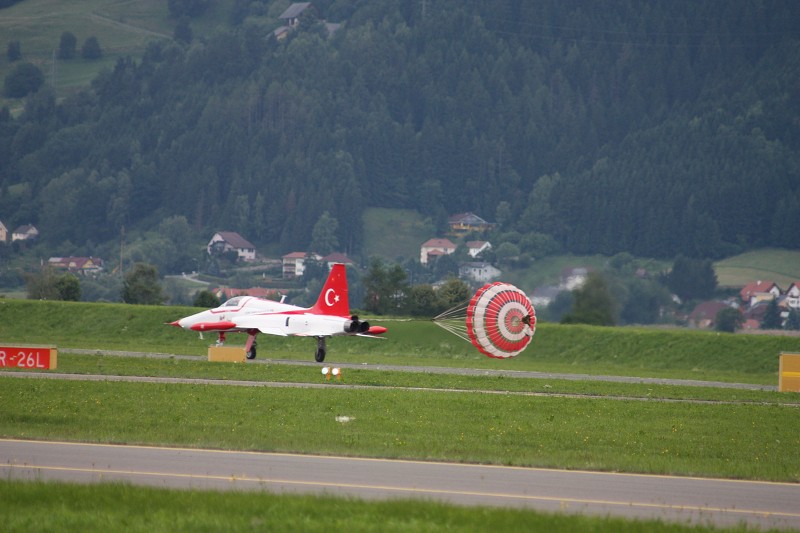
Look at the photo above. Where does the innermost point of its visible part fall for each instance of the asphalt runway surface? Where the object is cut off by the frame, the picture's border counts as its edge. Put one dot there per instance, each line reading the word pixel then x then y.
pixel 682 499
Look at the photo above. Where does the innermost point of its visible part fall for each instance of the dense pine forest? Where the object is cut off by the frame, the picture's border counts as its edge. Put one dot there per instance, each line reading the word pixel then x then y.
pixel 657 128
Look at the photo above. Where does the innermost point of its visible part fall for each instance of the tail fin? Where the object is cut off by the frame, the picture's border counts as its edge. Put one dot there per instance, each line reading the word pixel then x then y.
pixel 333 298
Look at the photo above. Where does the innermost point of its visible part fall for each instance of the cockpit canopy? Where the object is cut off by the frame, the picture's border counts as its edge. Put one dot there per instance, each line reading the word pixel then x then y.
pixel 233 302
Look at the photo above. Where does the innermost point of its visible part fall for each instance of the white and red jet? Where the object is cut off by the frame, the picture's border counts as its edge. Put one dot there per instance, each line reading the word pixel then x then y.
pixel 329 317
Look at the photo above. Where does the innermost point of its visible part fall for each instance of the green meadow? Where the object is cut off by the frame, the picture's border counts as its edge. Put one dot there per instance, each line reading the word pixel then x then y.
pixel 594 425
pixel 780 266
pixel 646 352
pixel 35 507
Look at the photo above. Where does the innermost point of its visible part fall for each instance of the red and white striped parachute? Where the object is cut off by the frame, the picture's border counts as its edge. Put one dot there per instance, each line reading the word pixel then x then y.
pixel 498 320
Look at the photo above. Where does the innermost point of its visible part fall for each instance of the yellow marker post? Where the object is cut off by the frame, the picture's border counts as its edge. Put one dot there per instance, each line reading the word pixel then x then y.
pixel 230 354
pixel 789 372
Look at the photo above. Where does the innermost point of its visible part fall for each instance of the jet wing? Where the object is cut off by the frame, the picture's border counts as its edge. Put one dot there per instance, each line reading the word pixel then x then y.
pixel 264 323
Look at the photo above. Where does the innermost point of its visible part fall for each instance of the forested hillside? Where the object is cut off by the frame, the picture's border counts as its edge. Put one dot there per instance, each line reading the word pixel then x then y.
pixel 656 128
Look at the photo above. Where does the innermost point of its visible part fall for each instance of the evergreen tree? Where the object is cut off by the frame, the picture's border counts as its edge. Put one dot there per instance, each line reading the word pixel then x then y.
pixel 183 31
pixel 772 318
pixel 14 51
pixel 793 321
pixel 67 45
pixel 91 49
pixel 692 278
pixel 385 287
pixel 24 79
pixel 323 236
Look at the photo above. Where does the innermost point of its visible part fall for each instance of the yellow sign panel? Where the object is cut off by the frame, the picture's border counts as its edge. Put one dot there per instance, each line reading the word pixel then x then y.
pixel 789 372
pixel 233 354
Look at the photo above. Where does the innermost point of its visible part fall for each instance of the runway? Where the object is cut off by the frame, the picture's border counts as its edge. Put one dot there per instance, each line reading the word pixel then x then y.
pixel 687 500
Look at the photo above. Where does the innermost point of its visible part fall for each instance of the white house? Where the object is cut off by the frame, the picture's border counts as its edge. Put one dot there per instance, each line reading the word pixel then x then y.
pixel 544 296
pixel 475 248
pixel 435 247
pixel 573 278
pixel 337 257
pixel 478 271
pixel 793 295
pixel 23 233
pixel 226 241
pixel 291 16
pixel 294 264
pixel 759 291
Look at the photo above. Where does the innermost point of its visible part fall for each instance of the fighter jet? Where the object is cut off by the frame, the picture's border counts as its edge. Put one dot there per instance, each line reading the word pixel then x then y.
pixel 329 316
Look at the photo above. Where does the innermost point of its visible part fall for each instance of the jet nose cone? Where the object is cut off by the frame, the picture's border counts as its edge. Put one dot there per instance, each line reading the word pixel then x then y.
pixel 177 324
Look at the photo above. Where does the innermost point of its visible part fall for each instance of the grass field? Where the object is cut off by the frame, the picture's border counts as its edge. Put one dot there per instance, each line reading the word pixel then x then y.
pixel 122 28
pixel 672 353
pixel 780 266
pixel 621 427
pixel 35 507
pixel 601 433
pixel 408 228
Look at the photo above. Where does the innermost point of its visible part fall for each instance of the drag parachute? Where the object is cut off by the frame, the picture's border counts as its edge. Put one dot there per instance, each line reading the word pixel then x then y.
pixel 498 320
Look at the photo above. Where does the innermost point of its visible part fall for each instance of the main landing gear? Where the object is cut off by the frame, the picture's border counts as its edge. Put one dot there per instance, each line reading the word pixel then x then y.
pixel 319 355
pixel 251 353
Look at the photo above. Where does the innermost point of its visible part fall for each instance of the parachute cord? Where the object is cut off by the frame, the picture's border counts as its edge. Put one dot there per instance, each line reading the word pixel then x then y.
pixel 458 311
pixel 456 328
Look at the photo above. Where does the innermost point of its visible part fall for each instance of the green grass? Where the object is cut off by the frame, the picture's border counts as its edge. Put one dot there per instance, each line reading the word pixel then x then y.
pixel 199 368
pixel 745 438
pixel 122 27
pixel 780 266
pixel 407 227
pixel 36 506
pixel 748 440
pixel 673 353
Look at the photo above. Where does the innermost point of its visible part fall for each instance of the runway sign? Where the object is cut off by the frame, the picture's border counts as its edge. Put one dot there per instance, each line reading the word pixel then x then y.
pixel 28 357
pixel 789 373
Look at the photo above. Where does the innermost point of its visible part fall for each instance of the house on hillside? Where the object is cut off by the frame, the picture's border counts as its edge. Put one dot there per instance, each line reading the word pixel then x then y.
pixel 754 315
pixel 433 248
pixel 227 241
pixel 475 248
pixel 226 293
pixel 294 13
pixel 793 296
pixel 25 233
pixel 77 265
pixel 3 233
pixel 759 291
pixel 464 223
pixel 294 264
pixel 573 278
pixel 544 296
pixel 704 315
pixel 478 271
pixel 337 257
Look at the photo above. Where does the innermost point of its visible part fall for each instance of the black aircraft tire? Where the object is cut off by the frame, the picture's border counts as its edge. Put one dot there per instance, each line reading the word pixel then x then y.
pixel 319 356
pixel 252 353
